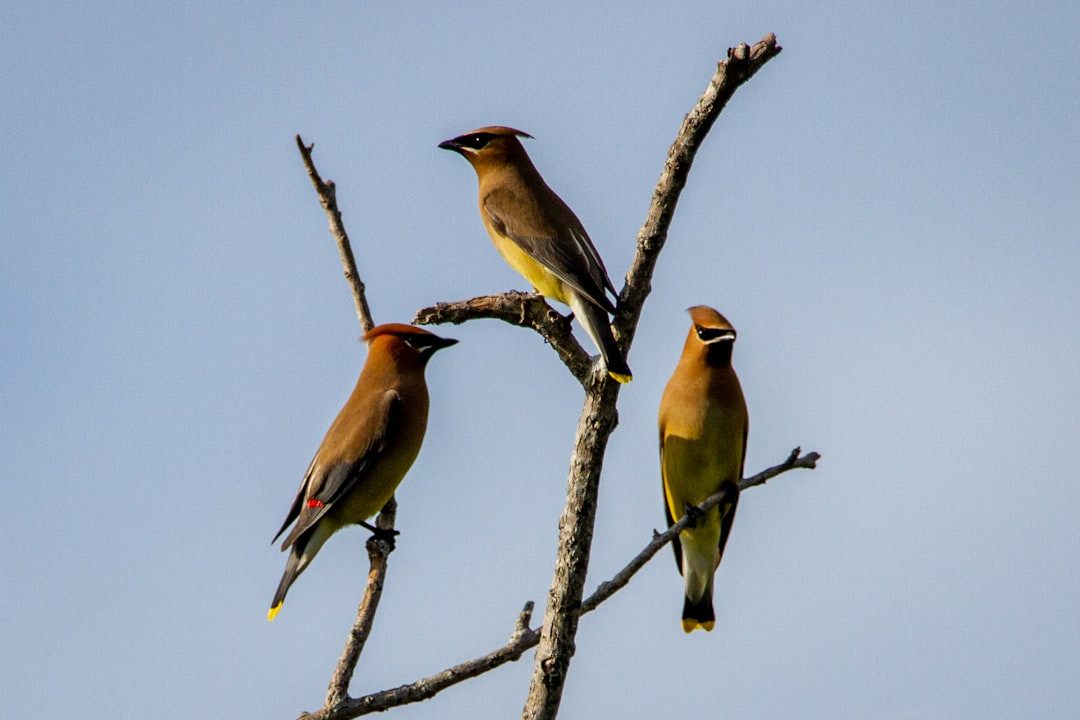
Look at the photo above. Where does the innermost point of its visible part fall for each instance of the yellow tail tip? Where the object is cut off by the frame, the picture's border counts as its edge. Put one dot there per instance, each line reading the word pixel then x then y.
pixel 621 377
pixel 689 625
pixel 273 612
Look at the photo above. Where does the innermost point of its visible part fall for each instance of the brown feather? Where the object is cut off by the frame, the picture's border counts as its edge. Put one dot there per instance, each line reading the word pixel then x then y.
pixel 368 449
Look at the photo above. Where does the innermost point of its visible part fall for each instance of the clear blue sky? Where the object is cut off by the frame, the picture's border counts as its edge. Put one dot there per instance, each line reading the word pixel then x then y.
pixel 888 213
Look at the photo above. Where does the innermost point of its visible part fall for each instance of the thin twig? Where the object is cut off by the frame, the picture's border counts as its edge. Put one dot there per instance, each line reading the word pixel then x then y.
pixel 742 63
pixel 610 587
pixel 522 638
pixel 327 193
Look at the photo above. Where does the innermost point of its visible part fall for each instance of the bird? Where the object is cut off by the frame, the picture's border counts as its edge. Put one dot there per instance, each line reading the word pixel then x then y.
pixel 703 425
pixel 368 449
pixel 538 235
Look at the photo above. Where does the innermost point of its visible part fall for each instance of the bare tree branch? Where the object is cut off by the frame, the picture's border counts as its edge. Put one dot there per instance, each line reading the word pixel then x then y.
pixel 378 548
pixel 528 310
pixel 555 640
pixel 609 588
pixel 598 418
pixel 742 63
pixel 522 638
pixel 327 193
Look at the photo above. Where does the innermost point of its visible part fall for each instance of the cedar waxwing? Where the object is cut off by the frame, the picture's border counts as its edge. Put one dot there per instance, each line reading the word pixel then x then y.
pixel 367 450
pixel 703 424
pixel 539 236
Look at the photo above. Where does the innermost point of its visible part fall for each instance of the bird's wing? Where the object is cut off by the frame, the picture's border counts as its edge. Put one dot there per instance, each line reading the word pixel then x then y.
pixel 668 516
pixel 727 516
pixel 325 483
pixel 294 510
pixel 557 242
pixel 727 510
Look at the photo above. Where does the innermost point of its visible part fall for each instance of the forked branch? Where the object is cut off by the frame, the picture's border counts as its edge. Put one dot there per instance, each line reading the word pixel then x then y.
pixel 555 640
pixel 528 310
pixel 522 638
pixel 598 416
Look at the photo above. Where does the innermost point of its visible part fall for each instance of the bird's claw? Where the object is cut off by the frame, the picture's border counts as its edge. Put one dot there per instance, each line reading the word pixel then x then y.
pixel 693 513
pixel 384 534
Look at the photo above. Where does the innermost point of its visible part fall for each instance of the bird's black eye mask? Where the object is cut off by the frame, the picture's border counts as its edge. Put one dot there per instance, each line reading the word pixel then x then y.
pixel 426 344
pixel 418 341
pixel 711 334
pixel 477 141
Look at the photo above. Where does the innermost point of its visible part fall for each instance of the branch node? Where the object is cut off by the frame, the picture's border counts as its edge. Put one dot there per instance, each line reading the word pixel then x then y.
pixel 521 624
pixel 528 310
pixel 379 547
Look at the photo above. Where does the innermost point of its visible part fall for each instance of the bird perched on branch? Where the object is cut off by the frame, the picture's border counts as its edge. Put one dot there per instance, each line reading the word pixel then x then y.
pixel 539 236
pixel 367 450
pixel 703 425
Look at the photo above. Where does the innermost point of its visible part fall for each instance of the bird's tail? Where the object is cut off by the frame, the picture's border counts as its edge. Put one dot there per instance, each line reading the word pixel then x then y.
pixel 698 584
pixel 595 322
pixel 698 614
pixel 292 570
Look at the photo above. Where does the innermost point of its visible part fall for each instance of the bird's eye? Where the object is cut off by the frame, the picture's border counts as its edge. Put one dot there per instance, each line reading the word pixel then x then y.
pixel 477 141
pixel 710 334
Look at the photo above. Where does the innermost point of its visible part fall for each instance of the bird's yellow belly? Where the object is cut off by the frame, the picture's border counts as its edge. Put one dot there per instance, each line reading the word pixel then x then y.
pixel 374 490
pixel 696 467
pixel 545 282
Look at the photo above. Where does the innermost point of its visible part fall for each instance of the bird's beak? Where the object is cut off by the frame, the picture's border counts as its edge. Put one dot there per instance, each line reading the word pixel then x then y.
pixel 450 145
pixel 443 343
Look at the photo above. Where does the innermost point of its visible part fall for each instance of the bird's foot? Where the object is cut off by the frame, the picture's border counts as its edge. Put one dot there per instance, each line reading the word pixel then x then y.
pixel 693 514
pixel 385 534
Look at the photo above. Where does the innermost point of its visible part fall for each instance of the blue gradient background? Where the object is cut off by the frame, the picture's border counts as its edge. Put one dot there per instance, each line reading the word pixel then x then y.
pixel 888 213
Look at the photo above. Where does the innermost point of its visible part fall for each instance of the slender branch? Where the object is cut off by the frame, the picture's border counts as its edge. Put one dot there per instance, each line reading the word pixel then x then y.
pixel 522 638
pixel 742 63
pixel 327 193
pixel 528 310
pixel 378 549
pixel 598 418
pixel 794 460
pixel 609 588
